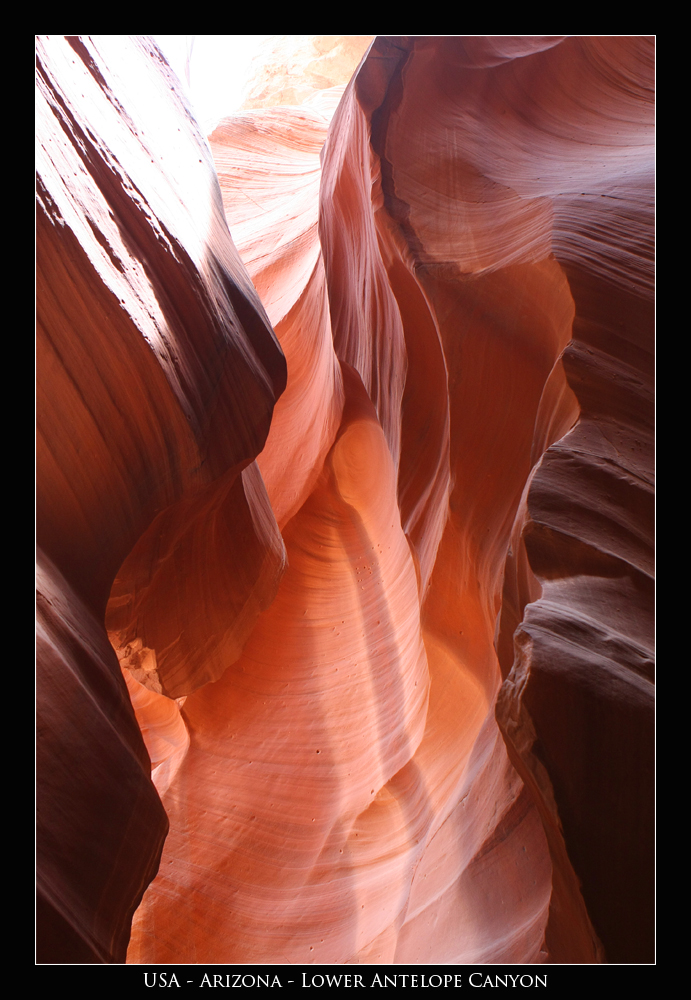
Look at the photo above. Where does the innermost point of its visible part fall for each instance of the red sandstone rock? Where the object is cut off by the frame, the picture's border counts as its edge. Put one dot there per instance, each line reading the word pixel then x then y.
pixel 157 373
pixel 463 493
pixel 268 167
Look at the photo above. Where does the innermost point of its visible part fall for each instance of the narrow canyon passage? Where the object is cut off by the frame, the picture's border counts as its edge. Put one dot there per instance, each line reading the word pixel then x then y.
pixel 362 386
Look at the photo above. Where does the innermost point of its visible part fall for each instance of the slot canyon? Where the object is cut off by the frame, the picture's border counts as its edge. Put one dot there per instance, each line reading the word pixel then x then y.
pixel 344 507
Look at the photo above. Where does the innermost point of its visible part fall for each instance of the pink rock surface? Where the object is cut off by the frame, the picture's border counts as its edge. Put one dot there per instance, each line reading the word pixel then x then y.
pixel 268 167
pixel 394 676
pixel 153 394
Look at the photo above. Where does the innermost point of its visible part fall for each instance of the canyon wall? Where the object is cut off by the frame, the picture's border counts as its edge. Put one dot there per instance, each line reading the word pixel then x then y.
pixel 157 374
pixel 361 497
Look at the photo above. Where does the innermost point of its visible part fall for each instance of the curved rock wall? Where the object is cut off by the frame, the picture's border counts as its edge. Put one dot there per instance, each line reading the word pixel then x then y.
pixel 157 374
pixel 449 517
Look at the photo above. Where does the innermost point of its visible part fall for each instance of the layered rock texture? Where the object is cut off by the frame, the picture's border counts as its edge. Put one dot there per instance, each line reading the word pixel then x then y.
pixel 361 497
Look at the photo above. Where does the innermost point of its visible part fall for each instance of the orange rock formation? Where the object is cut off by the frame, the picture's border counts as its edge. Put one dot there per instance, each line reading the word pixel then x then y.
pixel 384 621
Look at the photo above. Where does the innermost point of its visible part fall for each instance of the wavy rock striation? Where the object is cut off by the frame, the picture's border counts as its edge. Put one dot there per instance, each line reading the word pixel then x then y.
pixel 394 677
pixel 157 371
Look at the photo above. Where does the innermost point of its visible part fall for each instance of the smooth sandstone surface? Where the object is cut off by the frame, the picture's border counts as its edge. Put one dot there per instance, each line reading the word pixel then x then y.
pixel 381 595
pixel 157 374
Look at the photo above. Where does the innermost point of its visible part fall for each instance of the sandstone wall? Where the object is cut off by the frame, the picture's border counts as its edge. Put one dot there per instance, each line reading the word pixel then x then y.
pixel 361 497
